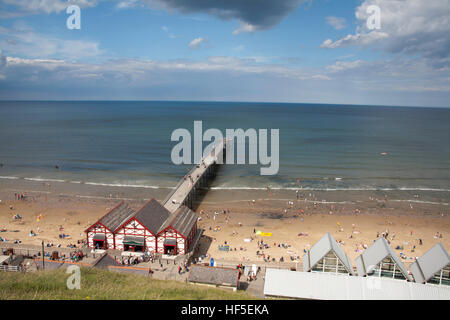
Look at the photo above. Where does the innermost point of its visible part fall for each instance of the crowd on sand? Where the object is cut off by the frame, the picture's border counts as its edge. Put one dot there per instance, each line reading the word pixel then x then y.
pixel 215 221
pixel 210 219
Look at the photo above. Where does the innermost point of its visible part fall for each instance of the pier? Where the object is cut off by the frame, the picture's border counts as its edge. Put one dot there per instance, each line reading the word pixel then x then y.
pixel 198 177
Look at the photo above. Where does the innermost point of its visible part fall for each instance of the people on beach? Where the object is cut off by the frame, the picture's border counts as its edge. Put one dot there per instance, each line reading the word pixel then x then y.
pixel 19 196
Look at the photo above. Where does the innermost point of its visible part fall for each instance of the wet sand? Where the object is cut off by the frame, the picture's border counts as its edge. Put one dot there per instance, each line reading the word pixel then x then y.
pixel 353 217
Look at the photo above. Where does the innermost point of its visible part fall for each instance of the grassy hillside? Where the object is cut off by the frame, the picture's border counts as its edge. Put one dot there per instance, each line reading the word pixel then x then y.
pixel 100 284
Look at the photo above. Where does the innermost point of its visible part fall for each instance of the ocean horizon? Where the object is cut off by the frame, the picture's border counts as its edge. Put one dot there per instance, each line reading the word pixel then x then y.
pixel 227 101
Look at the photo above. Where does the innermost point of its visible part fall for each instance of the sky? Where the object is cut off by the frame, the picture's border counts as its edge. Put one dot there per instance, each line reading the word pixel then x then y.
pixel 306 51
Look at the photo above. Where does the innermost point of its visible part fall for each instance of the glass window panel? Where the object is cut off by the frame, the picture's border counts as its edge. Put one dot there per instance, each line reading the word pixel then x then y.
pixel 399 275
pixel 330 263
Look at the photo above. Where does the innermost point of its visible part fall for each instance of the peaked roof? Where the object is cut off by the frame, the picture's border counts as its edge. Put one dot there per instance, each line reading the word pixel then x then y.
pixel 371 257
pixel 320 249
pixel 105 261
pixel 152 215
pixel 116 216
pixel 430 263
pixel 17 260
pixel 214 275
pixel 181 220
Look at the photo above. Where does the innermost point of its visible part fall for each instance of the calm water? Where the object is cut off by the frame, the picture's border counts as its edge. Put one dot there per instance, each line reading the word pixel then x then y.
pixel 128 143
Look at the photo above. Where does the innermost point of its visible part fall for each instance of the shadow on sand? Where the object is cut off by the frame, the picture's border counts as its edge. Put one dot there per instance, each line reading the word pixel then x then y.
pixel 203 246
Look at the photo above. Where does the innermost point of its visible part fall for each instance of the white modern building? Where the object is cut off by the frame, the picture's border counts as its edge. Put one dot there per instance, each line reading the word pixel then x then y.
pixel 433 267
pixel 326 255
pixel 380 260
pixel 329 286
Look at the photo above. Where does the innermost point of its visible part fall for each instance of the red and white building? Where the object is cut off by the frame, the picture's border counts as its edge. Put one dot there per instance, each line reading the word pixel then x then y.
pixel 151 229
pixel 101 234
pixel 177 234
pixel 139 233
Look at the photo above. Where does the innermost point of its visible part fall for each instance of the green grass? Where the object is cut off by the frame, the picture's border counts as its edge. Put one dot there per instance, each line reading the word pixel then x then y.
pixel 100 284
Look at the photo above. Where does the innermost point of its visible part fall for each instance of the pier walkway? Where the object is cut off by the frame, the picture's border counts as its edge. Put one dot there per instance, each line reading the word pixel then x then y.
pixel 197 177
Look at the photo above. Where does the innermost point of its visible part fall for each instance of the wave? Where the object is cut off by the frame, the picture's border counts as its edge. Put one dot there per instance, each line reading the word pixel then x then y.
pixel 98 197
pixel 231 188
pixel 425 202
pixel 332 189
pixel 126 185
pixel 45 180
pixel 278 199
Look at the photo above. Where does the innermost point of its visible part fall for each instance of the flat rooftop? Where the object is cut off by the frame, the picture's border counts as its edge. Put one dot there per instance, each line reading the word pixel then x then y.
pixel 327 286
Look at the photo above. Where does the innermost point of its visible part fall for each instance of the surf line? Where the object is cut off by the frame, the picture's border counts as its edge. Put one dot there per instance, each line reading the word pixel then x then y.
pixel 72 195
pixel 29 191
pixel 268 199
pixel 424 202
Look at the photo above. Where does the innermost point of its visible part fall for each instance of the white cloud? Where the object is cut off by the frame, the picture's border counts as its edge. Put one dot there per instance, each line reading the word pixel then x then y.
pixel 139 71
pixel 356 39
pixel 127 4
pixel 23 41
pixel 195 43
pixel 396 81
pixel 25 7
pixel 391 75
pixel 413 27
pixel 321 77
pixel 344 65
pixel 246 28
pixel 337 23
pixel 386 72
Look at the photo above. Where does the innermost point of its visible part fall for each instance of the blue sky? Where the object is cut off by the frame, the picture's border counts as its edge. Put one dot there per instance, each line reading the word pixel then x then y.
pixel 317 51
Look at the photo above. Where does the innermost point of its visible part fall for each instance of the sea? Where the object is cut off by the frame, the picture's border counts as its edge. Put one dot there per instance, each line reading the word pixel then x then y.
pixel 321 147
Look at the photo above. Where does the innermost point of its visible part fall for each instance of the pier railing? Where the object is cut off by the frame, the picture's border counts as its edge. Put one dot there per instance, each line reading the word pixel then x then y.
pixel 166 199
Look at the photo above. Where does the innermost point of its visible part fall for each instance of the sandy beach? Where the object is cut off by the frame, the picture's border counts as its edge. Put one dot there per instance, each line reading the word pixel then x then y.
pixel 231 218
